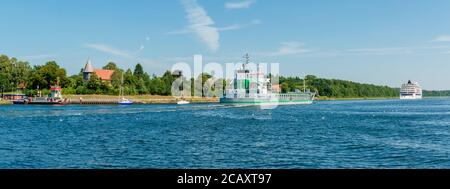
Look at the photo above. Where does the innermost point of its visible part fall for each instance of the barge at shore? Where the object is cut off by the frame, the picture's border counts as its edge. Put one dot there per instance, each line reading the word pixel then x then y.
pixel 54 98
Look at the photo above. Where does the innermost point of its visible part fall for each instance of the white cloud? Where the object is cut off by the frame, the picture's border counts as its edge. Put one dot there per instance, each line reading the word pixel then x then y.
pixel 141 48
pixel 110 50
pixel 220 29
pixel 240 26
pixel 231 27
pixel 239 5
pixel 382 51
pixel 442 38
pixel 287 48
pixel 201 24
pixel 178 32
pixel 397 50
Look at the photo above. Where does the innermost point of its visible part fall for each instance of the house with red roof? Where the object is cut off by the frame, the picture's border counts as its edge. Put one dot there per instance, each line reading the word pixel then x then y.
pixel 104 75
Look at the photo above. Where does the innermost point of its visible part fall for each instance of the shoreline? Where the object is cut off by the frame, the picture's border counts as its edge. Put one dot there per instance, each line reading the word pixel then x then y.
pixel 156 99
pixel 5 102
pixel 141 99
pixel 373 98
pixel 354 98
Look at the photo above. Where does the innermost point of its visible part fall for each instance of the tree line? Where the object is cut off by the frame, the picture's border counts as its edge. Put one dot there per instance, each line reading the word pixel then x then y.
pixel 19 75
pixel 16 74
pixel 336 88
pixel 436 93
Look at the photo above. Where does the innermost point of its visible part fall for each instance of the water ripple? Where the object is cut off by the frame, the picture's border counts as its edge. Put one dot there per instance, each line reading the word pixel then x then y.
pixel 327 134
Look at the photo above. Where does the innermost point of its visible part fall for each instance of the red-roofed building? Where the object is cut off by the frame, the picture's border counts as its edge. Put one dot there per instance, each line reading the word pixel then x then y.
pixel 105 75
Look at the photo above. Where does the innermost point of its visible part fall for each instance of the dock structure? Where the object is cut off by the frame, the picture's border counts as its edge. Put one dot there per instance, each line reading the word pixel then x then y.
pixel 100 101
pixel 107 100
pixel 93 101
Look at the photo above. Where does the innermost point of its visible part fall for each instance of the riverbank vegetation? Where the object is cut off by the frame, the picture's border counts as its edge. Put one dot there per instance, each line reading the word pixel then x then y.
pixel 441 93
pixel 5 102
pixel 334 88
pixel 20 75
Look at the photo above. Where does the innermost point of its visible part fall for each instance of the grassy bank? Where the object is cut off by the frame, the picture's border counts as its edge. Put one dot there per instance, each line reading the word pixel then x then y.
pixel 144 99
pixel 4 102
pixel 156 99
pixel 354 98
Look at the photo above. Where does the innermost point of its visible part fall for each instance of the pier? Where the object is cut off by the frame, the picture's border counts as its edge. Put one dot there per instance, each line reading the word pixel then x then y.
pixel 137 99
pixel 101 100
pixel 111 100
pixel 92 101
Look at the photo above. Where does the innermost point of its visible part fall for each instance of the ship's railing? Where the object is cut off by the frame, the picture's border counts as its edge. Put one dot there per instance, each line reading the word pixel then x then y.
pixel 294 95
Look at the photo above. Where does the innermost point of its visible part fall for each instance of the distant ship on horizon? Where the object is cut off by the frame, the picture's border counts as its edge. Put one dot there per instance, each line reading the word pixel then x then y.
pixel 410 91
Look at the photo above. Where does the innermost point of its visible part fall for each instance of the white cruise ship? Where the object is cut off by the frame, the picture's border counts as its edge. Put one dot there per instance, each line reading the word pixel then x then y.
pixel 411 90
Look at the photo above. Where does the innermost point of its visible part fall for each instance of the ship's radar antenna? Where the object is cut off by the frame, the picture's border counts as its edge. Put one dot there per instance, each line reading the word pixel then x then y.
pixel 247 59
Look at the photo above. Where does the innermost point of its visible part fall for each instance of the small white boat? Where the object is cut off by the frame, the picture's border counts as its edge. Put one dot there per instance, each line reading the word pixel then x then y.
pixel 181 102
pixel 125 101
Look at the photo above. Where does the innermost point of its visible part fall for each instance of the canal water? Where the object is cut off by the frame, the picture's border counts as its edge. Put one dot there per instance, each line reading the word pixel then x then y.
pixel 326 134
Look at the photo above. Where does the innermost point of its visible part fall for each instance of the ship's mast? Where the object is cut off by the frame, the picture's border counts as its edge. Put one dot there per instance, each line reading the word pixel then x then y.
pixel 247 59
pixel 304 83
pixel 121 87
pixel 246 74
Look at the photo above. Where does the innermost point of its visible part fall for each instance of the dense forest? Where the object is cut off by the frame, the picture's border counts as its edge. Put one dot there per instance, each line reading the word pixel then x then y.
pixel 436 93
pixel 337 88
pixel 16 74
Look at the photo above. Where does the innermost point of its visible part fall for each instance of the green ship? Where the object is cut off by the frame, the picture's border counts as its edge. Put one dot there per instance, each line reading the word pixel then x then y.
pixel 253 87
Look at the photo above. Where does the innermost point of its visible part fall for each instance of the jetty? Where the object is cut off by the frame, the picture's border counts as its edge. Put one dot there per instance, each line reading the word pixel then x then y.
pixel 137 99
pixel 108 99
pixel 93 101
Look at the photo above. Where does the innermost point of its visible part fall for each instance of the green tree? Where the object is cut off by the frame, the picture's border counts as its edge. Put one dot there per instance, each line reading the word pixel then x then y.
pixel 13 73
pixel 48 74
pixel 93 83
pixel 130 83
pixel 337 88
pixel 202 78
pixel 142 79
pixel 138 71
pixel 167 80
pixel 20 72
pixel 110 66
pixel 5 73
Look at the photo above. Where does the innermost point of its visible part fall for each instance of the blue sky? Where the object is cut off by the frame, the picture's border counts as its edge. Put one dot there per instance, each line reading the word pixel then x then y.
pixel 383 42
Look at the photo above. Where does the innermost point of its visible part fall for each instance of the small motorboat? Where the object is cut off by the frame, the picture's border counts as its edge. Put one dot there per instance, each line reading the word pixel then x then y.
pixel 181 102
pixel 20 101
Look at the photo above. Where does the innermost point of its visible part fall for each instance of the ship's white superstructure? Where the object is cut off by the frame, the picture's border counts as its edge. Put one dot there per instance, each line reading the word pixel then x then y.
pixel 410 90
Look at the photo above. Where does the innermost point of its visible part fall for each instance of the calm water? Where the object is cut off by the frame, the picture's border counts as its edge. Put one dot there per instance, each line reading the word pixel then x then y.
pixel 332 134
